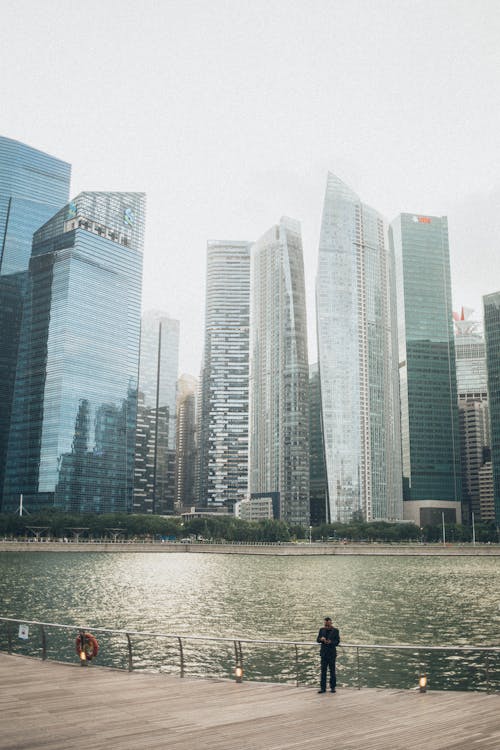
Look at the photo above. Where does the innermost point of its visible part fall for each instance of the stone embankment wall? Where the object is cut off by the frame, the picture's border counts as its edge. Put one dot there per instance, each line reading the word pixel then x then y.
pixel 451 550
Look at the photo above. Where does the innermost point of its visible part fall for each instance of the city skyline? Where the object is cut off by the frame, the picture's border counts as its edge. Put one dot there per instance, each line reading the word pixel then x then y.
pixel 196 142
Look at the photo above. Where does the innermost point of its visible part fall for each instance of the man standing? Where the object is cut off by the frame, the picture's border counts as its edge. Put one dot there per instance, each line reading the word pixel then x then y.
pixel 329 638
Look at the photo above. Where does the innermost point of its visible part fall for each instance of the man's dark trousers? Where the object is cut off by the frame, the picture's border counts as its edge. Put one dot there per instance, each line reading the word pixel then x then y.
pixel 328 661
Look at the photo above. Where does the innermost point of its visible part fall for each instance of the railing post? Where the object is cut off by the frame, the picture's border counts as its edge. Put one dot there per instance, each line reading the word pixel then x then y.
pixel 129 644
pixel 181 654
pixel 238 655
pixel 9 637
pixel 296 666
pixel 357 668
pixel 44 643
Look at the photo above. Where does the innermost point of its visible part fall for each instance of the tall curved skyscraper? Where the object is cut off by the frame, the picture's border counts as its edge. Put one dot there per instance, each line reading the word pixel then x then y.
pixel 358 360
pixel 279 372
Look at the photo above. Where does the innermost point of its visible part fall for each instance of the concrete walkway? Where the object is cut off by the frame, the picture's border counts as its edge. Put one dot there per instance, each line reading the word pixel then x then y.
pixel 283 550
pixel 64 707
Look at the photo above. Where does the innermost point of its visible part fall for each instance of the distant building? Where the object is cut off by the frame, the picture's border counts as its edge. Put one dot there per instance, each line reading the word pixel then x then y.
pixel 203 512
pixel 317 468
pixel 222 433
pixel 491 304
pixel 428 386
pixel 358 365
pixel 72 439
pixel 155 446
pixel 279 377
pixel 473 414
pixel 258 508
pixel 33 186
pixel 187 386
pixel 486 491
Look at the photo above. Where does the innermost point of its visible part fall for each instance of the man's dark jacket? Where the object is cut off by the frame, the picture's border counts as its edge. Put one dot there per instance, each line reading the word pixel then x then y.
pixel 332 635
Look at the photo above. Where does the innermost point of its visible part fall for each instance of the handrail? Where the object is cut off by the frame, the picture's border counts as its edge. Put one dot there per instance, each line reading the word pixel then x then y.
pixel 237 641
pixel 152 633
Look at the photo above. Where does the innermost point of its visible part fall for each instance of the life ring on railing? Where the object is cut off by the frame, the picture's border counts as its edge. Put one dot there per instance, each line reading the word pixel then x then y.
pixel 90 646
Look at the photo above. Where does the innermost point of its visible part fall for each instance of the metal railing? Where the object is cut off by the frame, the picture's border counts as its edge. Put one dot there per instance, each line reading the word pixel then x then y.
pixel 372 665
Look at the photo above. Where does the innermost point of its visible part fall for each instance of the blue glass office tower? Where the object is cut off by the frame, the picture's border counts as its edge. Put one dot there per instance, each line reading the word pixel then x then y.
pixel 491 304
pixel 72 436
pixel 33 186
pixel 428 385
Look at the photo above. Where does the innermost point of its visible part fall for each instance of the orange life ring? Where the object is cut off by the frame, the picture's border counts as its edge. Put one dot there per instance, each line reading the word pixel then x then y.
pixel 90 645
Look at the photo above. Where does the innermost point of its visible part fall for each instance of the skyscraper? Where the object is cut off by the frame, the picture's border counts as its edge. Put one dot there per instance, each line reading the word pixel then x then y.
pixel 429 410
pixel 491 304
pixel 279 397
pixel 317 468
pixel 33 186
pixel 187 387
pixel 154 472
pixel 357 349
pixel 223 416
pixel 473 417
pixel 72 437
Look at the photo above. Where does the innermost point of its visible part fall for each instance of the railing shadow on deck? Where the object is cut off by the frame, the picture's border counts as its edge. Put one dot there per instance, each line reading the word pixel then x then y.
pixel 395 666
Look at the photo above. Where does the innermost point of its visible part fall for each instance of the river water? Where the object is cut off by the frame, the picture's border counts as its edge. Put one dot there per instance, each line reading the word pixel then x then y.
pixel 420 601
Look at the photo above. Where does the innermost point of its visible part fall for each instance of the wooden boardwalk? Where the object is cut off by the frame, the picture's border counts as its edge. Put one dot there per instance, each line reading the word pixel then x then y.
pixel 66 707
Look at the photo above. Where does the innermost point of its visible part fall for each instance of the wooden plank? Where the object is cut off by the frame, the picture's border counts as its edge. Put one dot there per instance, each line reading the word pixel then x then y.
pixel 46 705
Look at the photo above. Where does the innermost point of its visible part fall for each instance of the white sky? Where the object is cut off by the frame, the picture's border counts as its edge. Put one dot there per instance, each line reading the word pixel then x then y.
pixel 228 115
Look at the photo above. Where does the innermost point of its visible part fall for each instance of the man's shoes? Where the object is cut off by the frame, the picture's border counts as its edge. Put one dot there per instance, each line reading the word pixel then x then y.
pixel 321 691
pixel 333 690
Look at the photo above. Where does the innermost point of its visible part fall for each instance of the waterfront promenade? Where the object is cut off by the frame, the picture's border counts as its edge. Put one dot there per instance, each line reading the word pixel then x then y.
pixel 236 548
pixel 65 707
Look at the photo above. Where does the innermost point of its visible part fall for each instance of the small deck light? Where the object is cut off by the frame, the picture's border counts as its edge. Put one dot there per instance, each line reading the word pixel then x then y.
pixel 238 673
pixel 83 657
pixel 422 683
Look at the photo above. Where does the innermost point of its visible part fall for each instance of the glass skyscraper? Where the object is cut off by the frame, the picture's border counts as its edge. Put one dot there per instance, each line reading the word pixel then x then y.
pixel 317 468
pixel 429 410
pixel 72 436
pixel 279 374
pixel 223 416
pixel 491 304
pixel 187 387
pixel 33 186
pixel 357 349
pixel 154 474
pixel 473 416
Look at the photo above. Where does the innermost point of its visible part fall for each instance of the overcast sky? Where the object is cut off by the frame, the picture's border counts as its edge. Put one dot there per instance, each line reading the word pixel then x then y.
pixel 229 115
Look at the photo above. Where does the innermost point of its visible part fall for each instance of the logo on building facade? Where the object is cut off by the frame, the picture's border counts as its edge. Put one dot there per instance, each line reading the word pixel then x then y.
pixel 128 217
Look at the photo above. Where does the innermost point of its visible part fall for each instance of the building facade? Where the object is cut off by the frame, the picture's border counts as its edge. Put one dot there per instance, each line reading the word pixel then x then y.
pixel 357 350
pixel 491 303
pixel 72 437
pixel 155 445
pixel 33 186
pixel 185 471
pixel 279 377
pixel 317 468
pixel 428 386
pixel 473 417
pixel 222 432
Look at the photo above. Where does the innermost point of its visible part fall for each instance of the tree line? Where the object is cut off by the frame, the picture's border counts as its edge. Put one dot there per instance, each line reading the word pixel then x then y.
pixel 57 525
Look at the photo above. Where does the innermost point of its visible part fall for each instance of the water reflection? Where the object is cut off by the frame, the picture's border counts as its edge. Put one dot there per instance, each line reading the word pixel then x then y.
pixel 421 601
